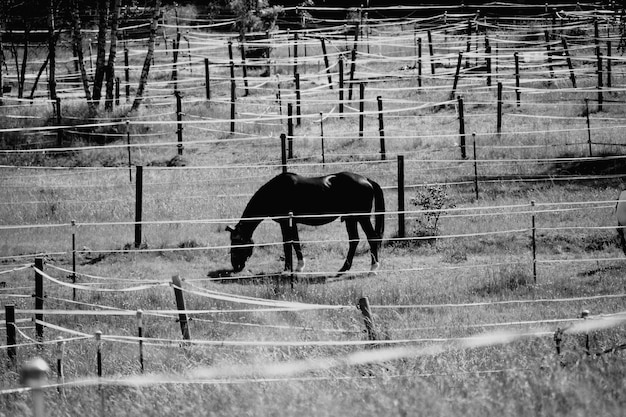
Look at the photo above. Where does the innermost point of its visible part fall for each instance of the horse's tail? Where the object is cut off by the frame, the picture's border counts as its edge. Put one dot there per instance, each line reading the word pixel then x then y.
pixel 379 209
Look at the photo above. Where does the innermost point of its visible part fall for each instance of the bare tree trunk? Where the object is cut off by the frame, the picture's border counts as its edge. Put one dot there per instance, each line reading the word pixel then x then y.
pixel 103 19
pixel 77 39
pixel 52 83
pixel 110 69
pixel 1 56
pixel 21 72
pixel 146 63
pixel 43 67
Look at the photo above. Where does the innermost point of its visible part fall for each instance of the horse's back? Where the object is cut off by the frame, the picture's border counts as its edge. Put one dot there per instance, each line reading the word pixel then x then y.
pixel 620 209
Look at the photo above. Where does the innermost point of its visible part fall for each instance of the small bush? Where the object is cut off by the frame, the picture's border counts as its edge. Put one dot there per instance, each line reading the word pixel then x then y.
pixel 432 200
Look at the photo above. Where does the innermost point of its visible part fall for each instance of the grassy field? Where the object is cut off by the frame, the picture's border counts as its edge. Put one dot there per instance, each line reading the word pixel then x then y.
pixel 479 254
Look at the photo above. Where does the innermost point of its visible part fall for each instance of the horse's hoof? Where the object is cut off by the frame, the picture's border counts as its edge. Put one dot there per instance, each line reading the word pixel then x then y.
pixel 374 268
pixel 300 266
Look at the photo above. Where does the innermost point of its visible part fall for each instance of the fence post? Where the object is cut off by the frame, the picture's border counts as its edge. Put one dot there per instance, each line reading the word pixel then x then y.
pixel 138 204
pixel 364 306
pixel 558 338
pixel 499 107
pixel 488 63
pixel 352 71
pixel 322 137
pixel 401 223
pixel 419 61
pixel 140 335
pixel 34 374
pixel 585 315
pixel 568 58
pixel 130 171
pixel 600 81
pixel 233 98
pixel 461 127
pixel 298 111
pixel 9 317
pixel 39 296
pixel 180 305
pixel 456 75
pixel 609 64
pixel 283 151
pixel 295 53
pixel 588 126
pixel 179 122
pixel 60 353
pixel 244 68
pixel 117 91
pixel 207 79
pixel 73 276
pixel 126 75
pixel 58 114
pixel 517 90
pixel 549 53
pixel 432 54
pixel 326 63
pixel 289 130
pixel 361 109
pixel 381 128
pixel 98 339
pixel 341 86
pixel 475 165
pixel 534 242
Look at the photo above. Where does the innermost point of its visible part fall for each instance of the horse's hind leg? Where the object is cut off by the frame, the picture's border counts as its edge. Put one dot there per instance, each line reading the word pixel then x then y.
pixel 353 236
pixel 374 242
pixel 297 248
pixel 622 240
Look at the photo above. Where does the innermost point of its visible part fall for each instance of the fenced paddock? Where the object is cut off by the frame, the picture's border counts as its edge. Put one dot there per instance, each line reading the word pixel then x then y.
pixel 481 314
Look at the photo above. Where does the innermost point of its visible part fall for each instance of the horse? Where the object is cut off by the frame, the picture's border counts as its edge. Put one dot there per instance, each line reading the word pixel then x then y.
pixel 291 199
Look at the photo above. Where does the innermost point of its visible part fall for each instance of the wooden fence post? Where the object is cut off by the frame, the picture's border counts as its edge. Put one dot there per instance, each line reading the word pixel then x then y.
pixel 475 165
pixel 140 335
pixel 364 306
pixel 233 98
pixel 34 374
pixel 138 204
pixel 283 151
pixel 588 126
pixel 456 75
pixel 361 109
pixel 352 71
pixel 534 242
pixel 59 121
pixel 419 61
pixel 401 223
pixel 39 297
pixel 60 351
pixel 9 317
pixel 488 64
pixel 298 111
pixel 180 305
pixel 130 170
pixel 517 90
pixel 322 137
pixel 568 58
pixel 600 81
pixel 207 78
pixel 289 130
pixel 432 54
pixel 244 68
pixel 549 53
pixel 381 128
pixel 126 75
pixel 499 108
pixel 73 275
pixel 341 86
pixel 295 53
pixel 609 64
pixel 179 122
pixel 461 127
pixel 326 63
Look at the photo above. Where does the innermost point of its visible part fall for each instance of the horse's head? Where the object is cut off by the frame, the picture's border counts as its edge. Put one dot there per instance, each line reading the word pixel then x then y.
pixel 241 248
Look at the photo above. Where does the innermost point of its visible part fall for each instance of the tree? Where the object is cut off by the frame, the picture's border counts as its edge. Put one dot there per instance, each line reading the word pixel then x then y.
pixel 77 45
pixel 143 79
pixel 110 68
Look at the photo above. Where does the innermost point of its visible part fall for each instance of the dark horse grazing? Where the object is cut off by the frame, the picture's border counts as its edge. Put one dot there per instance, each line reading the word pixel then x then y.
pixel 313 201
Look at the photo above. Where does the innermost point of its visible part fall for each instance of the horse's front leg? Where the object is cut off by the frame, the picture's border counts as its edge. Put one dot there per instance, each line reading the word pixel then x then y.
pixel 353 236
pixel 286 232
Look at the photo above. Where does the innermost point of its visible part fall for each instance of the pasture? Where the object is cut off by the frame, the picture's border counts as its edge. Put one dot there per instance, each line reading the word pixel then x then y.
pixel 500 248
